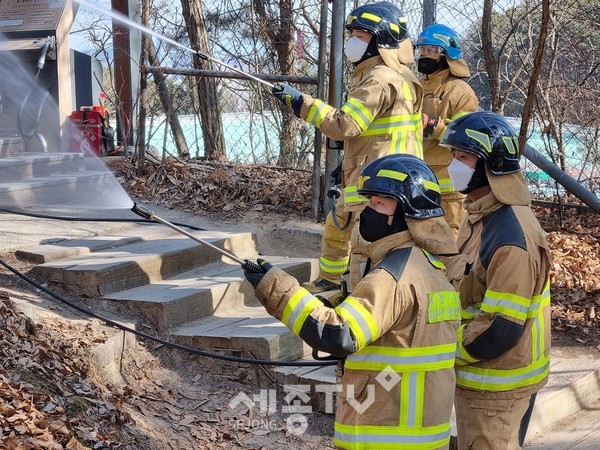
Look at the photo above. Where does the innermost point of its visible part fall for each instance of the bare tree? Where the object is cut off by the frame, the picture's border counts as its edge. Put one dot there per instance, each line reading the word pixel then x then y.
pixel 210 111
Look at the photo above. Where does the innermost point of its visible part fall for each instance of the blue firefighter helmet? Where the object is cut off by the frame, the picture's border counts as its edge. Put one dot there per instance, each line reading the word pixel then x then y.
pixel 442 36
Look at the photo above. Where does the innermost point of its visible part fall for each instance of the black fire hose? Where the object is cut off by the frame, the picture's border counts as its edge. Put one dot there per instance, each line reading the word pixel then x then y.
pixel 148 217
pixel 248 266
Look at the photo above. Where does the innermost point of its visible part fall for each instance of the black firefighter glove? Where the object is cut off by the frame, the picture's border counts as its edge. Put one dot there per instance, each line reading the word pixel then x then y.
pixel 289 96
pixel 256 273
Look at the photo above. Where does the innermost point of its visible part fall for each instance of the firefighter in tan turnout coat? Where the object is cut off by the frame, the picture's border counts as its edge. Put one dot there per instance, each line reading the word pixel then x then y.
pixel 502 274
pixel 446 96
pixel 381 116
pixel 396 333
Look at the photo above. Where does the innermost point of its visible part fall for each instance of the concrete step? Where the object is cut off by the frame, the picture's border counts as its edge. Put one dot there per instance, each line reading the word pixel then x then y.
pixel 77 189
pixel 10 146
pixel 35 165
pixel 211 289
pixel 139 263
pixel 317 382
pixel 574 384
pixel 65 248
pixel 247 332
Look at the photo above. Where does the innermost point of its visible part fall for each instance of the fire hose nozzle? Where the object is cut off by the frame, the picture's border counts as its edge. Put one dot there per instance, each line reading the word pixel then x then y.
pixel 143 212
pixel 334 192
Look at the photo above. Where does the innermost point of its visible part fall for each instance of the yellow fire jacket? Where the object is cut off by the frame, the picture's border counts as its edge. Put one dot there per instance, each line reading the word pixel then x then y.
pixel 381 116
pixel 502 274
pixel 446 97
pixel 398 333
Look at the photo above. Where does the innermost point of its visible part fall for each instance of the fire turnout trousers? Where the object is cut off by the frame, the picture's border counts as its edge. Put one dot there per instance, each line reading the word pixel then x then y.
pixel 335 245
pixel 489 424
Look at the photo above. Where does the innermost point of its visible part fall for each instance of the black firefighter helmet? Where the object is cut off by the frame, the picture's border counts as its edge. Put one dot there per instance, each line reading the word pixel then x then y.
pixel 407 179
pixel 383 19
pixel 487 135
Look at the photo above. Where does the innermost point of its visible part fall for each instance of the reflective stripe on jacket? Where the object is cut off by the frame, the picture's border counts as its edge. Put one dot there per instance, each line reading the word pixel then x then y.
pixel 397 331
pixel 381 116
pixel 502 275
pixel 446 97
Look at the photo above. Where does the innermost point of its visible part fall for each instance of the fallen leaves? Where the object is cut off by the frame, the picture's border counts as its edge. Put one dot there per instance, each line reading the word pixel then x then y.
pixel 48 401
pixel 195 186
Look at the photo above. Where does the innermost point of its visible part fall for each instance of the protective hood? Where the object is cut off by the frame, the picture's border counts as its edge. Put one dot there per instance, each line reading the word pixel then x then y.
pixel 433 235
pixel 394 58
pixel 458 67
pixel 510 189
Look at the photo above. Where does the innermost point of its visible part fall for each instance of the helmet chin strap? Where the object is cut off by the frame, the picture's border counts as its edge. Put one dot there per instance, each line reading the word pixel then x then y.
pixel 371 51
pixel 479 178
pixel 398 222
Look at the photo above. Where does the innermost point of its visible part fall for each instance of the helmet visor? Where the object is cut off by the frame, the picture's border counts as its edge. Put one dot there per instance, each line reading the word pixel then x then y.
pixel 429 51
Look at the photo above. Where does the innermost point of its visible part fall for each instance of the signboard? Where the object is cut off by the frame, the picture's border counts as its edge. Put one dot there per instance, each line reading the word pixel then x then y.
pixel 30 15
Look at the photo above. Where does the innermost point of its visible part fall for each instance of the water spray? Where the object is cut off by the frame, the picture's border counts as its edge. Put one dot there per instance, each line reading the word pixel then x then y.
pixel 127 21
pixel 247 265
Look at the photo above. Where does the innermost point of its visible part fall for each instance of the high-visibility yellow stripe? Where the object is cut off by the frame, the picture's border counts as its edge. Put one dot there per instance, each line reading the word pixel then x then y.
pixel 361 322
pixel 317 112
pixel 394 174
pixel 359 113
pixel 298 308
pixel 506 303
pixel 337 267
pixel 374 437
pixel 371 17
pixel 351 195
pixel 462 355
pixel 377 357
pixel 407 91
pixel 499 380
pixel 445 185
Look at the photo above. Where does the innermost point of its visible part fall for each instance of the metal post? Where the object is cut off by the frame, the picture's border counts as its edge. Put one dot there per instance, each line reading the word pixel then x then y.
pixel 332 157
pixel 316 182
pixel 569 183
pixel 428 12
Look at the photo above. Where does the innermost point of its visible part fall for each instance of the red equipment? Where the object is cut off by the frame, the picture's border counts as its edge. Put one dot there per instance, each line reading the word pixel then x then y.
pixel 87 132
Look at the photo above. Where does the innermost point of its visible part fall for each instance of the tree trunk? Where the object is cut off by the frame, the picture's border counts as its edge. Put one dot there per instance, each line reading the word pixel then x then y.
pixel 210 111
pixel 141 136
pixel 281 35
pixel 535 74
pixel 491 64
pixel 166 100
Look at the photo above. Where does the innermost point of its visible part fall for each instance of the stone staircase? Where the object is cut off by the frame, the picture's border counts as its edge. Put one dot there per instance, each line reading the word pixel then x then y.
pixel 34 179
pixel 190 293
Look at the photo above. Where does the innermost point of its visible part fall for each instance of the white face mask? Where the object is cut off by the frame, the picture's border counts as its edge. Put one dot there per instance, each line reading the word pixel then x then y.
pixel 460 174
pixel 355 49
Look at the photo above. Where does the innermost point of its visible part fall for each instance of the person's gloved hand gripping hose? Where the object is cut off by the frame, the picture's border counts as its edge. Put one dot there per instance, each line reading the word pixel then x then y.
pixel 288 96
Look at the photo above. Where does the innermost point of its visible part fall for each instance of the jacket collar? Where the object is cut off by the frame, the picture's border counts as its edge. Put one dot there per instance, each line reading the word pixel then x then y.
pixel 378 249
pixel 435 80
pixel 364 67
pixel 478 209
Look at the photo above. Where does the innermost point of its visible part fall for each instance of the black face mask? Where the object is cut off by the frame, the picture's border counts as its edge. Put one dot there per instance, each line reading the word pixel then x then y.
pixel 428 66
pixel 373 225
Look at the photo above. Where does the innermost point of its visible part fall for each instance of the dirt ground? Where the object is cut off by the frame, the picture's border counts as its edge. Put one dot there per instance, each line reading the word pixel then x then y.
pixel 159 397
